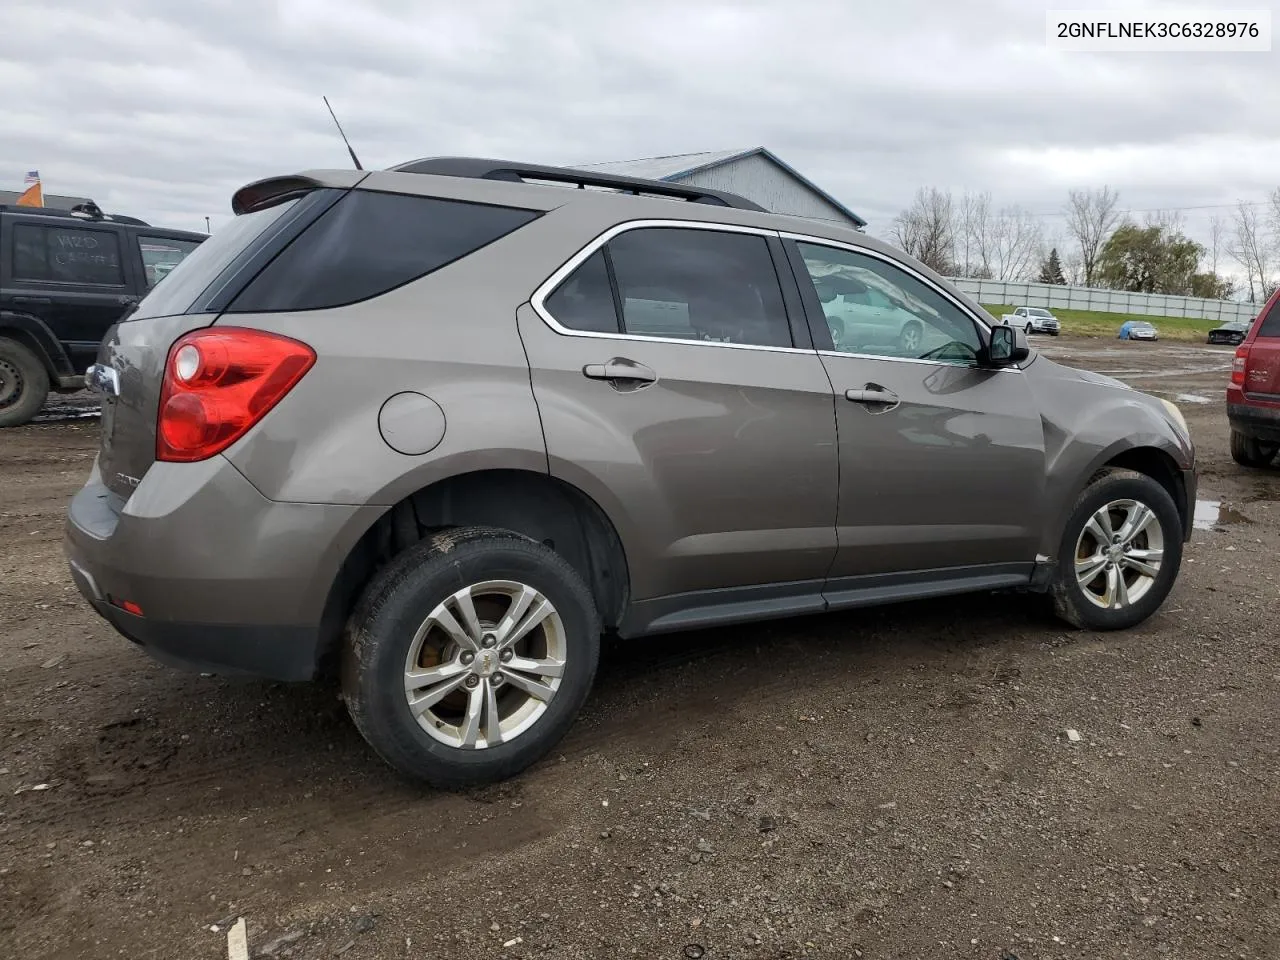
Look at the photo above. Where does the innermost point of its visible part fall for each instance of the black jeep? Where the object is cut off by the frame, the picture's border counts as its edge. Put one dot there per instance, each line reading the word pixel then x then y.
pixel 65 277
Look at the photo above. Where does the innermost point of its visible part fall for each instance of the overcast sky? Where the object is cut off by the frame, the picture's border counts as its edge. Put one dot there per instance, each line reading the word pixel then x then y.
pixel 160 108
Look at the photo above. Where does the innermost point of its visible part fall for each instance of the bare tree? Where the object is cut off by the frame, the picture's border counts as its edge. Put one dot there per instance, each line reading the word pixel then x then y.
pixel 1250 247
pixel 926 229
pixel 1091 216
pixel 1217 236
pixel 1014 245
pixel 971 234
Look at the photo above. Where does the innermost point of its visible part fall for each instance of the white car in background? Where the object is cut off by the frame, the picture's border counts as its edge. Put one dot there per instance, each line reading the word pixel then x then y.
pixel 1033 320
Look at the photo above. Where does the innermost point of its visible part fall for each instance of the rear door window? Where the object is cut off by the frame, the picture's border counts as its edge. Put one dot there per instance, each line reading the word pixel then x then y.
pixel 161 254
pixel 369 243
pixel 70 255
pixel 678 283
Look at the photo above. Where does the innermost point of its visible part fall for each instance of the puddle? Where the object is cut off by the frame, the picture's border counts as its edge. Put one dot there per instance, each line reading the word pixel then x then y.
pixel 1191 398
pixel 1211 513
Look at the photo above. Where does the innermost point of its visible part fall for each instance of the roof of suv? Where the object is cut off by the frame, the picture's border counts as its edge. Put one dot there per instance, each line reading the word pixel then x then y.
pixel 99 218
pixel 546 188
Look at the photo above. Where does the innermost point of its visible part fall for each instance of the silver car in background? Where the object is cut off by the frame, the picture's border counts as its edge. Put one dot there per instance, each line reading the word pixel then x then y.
pixel 1033 320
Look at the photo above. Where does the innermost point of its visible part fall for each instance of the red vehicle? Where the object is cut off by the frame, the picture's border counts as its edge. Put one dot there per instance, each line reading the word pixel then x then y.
pixel 1253 395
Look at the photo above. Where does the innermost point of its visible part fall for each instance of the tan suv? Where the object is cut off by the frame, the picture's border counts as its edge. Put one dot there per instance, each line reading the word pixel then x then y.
pixel 444 426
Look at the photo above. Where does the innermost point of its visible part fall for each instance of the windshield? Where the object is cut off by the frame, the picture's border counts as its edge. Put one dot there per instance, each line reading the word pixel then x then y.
pixel 1037 312
pixel 189 278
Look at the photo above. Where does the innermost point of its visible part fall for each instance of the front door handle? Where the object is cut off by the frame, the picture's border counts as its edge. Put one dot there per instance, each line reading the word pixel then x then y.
pixel 620 371
pixel 874 397
pixel 21 299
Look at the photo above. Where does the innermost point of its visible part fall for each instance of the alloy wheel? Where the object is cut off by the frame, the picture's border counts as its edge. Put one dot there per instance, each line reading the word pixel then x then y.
pixel 485 665
pixel 1119 554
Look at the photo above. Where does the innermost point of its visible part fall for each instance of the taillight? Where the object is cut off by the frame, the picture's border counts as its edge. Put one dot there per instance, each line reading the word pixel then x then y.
pixel 219 382
pixel 1238 364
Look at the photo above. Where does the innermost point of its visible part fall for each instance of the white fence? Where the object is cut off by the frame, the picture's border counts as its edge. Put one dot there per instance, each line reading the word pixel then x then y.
pixel 1108 301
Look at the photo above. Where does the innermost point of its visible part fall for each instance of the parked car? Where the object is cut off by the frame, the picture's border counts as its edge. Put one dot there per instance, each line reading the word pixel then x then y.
pixel 1033 320
pixel 65 277
pixel 1232 332
pixel 1253 395
pixel 1138 330
pixel 439 429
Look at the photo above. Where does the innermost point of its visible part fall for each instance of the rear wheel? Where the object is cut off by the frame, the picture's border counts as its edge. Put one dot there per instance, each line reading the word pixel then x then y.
pixel 1120 553
pixel 1249 452
pixel 24 383
pixel 469 656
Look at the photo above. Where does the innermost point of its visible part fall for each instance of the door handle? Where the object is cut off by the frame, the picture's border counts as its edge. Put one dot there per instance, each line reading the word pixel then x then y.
pixel 874 395
pixel 620 370
pixel 31 299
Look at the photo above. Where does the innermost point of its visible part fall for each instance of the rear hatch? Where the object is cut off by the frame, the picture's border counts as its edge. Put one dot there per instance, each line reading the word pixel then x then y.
pixel 1262 363
pixel 135 350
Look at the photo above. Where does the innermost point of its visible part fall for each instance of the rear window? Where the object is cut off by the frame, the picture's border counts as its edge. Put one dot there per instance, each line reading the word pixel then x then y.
pixel 369 243
pixel 1270 326
pixel 58 254
pixel 187 281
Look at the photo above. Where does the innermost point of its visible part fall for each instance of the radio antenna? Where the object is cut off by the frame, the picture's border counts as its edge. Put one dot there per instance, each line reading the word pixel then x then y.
pixel 354 158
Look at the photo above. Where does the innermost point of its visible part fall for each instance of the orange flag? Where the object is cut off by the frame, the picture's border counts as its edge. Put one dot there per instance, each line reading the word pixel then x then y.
pixel 32 196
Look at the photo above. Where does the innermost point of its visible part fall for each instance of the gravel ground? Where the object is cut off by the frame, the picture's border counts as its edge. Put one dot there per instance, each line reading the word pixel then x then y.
pixel 896 782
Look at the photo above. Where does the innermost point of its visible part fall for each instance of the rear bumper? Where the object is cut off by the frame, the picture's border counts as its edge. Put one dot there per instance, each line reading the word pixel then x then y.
pixel 1258 422
pixel 226 580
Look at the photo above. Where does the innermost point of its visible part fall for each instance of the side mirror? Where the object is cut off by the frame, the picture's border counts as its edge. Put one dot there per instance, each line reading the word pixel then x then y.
pixel 1008 346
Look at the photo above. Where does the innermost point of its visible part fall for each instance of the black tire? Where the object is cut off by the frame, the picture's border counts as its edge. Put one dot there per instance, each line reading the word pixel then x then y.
pixel 402 596
pixel 1250 452
pixel 24 383
pixel 1069 599
pixel 1027 331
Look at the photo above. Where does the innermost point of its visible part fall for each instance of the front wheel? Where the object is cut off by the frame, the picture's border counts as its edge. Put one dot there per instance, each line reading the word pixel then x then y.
pixel 1028 330
pixel 1249 452
pixel 911 337
pixel 469 656
pixel 1120 553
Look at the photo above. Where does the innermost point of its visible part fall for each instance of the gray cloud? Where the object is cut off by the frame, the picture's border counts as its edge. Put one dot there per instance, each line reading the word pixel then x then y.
pixel 161 109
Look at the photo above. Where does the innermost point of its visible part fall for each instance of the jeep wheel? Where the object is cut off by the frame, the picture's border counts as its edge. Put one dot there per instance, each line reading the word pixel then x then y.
pixel 1249 452
pixel 24 383
pixel 469 656
pixel 911 337
pixel 1119 554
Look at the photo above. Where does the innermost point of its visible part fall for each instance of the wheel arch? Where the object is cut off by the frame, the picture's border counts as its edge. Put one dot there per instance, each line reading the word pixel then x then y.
pixel 34 334
pixel 532 504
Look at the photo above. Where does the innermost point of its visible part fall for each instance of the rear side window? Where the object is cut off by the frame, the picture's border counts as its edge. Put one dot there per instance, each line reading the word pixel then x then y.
pixel 678 283
pixel 66 255
pixel 1270 326
pixel 161 254
pixel 369 243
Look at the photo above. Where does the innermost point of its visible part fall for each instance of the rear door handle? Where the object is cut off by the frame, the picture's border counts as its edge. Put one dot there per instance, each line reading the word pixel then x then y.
pixel 874 395
pixel 31 299
pixel 620 370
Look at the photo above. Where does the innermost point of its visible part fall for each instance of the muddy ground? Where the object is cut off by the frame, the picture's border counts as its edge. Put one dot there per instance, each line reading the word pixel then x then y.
pixel 886 783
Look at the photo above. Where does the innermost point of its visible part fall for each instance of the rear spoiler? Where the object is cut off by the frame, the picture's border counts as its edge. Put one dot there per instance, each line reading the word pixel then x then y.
pixel 267 193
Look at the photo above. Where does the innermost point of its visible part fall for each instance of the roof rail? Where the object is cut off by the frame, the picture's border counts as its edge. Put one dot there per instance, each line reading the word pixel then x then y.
pixel 482 169
pixel 81 212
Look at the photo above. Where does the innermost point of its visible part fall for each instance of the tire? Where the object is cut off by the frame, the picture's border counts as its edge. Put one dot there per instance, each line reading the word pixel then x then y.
pixel 24 383
pixel 1249 452
pixel 397 605
pixel 911 336
pixel 1028 330
pixel 1072 600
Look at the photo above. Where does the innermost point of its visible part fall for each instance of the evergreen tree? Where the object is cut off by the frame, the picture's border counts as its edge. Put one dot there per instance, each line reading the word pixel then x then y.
pixel 1051 269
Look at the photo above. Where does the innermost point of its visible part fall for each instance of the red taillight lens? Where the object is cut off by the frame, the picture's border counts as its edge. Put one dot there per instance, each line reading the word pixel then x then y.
pixel 219 382
pixel 1238 364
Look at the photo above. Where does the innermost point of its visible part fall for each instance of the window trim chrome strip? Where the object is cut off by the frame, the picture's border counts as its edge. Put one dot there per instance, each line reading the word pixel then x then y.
pixel 538 299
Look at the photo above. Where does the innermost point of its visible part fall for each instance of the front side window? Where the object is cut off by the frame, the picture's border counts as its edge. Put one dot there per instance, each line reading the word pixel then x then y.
pixel 66 255
pixel 679 283
pixel 877 309
pixel 162 254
